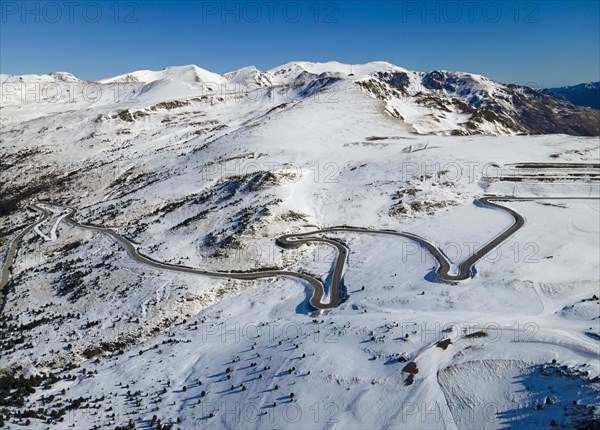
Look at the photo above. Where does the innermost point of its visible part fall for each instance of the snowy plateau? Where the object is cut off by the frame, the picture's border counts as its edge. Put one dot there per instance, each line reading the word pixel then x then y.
pixel 205 171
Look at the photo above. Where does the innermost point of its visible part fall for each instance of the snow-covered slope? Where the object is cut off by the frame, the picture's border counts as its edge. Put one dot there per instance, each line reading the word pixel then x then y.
pixel 206 176
pixel 190 74
pixel 438 102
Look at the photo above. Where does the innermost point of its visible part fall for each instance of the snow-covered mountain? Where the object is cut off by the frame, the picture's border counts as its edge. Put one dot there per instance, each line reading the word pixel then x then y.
pixel 587 94
pixel 205 171
pixel 438 102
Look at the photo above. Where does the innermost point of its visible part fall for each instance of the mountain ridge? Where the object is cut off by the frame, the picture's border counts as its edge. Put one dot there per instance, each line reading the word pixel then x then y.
pixel 585 94
pixel 435 102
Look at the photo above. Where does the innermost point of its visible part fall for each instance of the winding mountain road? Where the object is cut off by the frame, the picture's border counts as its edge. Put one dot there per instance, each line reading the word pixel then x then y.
pixel 11 251
pixel 294 240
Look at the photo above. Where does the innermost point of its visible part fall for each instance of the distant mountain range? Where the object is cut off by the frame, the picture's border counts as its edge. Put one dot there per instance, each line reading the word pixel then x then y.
pixel 581 95
pixel 437 102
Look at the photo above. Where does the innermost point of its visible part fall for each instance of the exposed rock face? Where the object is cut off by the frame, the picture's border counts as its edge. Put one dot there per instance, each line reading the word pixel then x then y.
pixel 398 80
pixel 490 107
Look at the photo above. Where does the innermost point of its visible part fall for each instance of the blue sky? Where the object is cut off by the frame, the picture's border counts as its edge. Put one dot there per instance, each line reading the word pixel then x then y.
pixel 540 43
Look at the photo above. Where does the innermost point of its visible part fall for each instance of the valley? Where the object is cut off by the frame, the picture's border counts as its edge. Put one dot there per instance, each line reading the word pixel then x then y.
pixel 297 248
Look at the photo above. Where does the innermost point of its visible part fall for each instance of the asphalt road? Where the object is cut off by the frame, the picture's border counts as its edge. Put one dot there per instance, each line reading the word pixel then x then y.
pixel 11 252
pixel 294 240
pixel 132 251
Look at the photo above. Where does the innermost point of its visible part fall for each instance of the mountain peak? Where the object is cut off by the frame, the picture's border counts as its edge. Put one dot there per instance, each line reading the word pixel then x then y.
pixel 337 67
pixel 64 76
pixel 190 74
